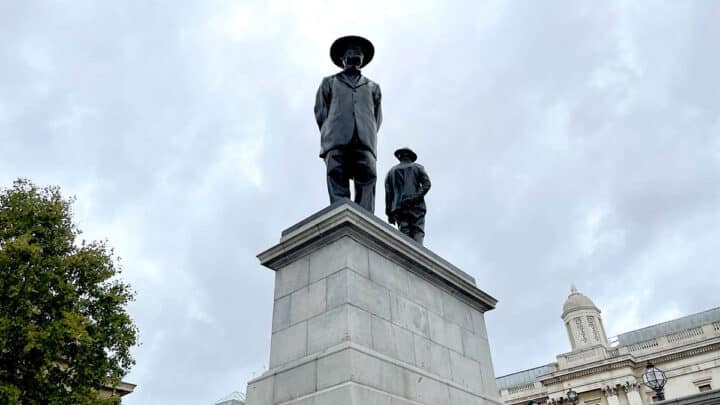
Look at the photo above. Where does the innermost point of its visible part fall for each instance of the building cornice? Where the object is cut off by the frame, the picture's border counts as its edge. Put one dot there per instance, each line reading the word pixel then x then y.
pixel 628 360
pixel 577 372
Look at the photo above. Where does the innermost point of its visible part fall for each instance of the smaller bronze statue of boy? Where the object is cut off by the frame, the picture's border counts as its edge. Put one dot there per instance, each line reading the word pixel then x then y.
pixel 405 187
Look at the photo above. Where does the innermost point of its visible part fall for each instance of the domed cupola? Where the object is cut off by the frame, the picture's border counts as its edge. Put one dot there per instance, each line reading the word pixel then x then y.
pixel 582 321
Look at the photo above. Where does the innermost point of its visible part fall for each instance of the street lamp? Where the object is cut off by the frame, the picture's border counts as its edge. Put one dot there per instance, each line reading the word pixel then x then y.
pixel 655 378
pixel 572 396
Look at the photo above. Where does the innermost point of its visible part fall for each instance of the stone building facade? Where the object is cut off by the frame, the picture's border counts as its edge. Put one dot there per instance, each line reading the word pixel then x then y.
pixel 609 371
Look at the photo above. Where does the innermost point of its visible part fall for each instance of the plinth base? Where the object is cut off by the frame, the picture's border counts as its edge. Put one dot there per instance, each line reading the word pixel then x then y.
pixel 364 315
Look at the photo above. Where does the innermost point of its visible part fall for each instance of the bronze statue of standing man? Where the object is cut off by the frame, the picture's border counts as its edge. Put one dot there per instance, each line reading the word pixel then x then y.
pixel 406 185
pixel 348 113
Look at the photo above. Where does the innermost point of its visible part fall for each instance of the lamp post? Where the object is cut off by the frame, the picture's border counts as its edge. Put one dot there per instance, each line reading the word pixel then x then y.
pixel 572 396
pixel 655 378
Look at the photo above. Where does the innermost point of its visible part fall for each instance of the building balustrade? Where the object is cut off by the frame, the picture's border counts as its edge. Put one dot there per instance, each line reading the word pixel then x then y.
pixel 645 345
pixel 679 337
pixel 684 334
pixel 521 388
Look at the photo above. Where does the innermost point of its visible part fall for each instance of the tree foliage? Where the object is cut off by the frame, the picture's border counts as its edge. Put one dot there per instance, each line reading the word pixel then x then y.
pixel 64 328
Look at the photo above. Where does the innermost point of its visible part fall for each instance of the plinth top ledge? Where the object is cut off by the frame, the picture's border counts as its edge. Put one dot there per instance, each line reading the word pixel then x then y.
pixel 349 219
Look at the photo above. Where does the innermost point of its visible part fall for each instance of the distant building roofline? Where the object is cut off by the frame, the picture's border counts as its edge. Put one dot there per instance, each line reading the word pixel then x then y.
pixel 122 389
pixel 673 325
pixel 523 377
pixel 523 371
pixel 233 397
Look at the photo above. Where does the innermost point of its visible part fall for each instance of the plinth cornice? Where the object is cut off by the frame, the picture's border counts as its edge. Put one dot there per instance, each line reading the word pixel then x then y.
pixel 348 219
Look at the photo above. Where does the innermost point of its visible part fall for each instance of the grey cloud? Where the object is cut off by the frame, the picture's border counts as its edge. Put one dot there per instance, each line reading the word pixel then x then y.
pixel 566 144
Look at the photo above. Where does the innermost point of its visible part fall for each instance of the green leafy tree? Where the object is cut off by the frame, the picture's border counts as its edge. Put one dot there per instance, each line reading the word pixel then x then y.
pixel 64 328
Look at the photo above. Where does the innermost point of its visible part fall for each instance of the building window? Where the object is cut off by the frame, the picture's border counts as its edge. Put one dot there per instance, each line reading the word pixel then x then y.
pixel 703 384
pixel 581 330
pixel 591 322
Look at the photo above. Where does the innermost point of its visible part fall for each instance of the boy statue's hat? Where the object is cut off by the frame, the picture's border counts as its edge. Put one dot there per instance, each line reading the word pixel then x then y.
pixel 338 48
pixel 406 151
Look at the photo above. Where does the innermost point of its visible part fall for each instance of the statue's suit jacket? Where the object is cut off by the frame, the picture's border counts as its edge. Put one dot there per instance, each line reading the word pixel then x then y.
pixel 341 106
pixel 405 187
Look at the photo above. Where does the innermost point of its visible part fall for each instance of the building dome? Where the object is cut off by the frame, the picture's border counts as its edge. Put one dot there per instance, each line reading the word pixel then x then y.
pixel 583 322
pixel 576 301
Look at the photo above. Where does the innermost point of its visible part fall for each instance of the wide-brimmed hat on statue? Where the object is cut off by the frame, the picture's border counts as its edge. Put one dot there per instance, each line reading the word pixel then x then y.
pixel 338 48
pixel 406 151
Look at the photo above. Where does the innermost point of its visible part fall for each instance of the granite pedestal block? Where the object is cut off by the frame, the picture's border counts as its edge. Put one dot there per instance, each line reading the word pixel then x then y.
pixel 364 315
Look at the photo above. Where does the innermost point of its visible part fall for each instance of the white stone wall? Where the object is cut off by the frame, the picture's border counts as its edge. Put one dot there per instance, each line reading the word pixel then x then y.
pixel 683 374
pixel 350 323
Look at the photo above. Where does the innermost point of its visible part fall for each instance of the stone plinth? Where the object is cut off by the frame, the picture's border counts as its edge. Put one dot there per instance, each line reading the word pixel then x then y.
pixel 364 315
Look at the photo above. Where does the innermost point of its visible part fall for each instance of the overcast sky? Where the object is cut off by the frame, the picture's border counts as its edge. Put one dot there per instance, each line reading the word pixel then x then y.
pixel 568 142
